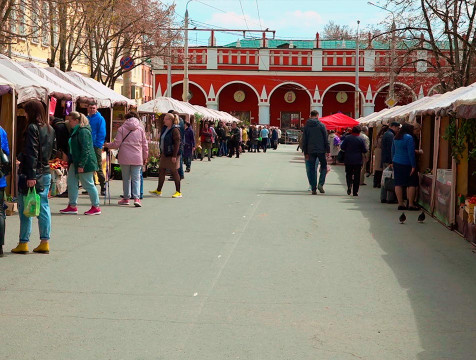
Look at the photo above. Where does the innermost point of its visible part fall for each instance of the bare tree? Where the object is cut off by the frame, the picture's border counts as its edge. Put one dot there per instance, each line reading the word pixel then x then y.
pixel 333 31
pixel 436 38
pixel 140 32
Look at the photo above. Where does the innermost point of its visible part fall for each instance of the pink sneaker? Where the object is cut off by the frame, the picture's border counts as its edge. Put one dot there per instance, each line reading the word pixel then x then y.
pixel 123 202
pixel 69 210
pixel 137 203
pixel 93 211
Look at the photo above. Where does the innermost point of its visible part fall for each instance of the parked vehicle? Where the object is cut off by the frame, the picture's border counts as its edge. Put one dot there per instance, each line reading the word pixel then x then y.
pixel 290 136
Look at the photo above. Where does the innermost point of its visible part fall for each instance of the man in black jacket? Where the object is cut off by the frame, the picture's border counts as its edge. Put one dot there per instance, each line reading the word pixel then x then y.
pixel 315 146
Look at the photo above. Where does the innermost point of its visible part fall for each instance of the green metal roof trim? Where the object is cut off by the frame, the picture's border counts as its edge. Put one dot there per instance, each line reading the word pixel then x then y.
pixel 328 44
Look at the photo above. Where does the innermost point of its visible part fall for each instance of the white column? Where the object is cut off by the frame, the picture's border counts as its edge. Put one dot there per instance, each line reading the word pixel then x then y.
pixel 317 107
pixel 264 59
pixel 264 115
pixel 316 60
pixel 369 60
pixel 212 61
pixel 212 105
pixel 368 108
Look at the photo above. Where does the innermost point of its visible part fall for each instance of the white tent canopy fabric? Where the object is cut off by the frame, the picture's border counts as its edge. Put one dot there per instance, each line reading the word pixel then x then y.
pixel 76 92
pixel 115 98
pixel 461 100
pixel 26 88
pixel 53 89
pixel 101 100
pixel 164 104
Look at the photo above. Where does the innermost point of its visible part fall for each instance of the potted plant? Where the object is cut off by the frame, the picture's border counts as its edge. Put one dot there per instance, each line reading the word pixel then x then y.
pixel 153 166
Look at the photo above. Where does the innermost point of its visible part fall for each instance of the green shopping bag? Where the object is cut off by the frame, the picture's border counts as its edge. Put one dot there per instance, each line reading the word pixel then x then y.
pixel 31 203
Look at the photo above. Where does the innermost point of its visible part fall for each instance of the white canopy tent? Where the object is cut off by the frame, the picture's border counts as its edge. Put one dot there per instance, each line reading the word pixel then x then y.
pixel 163 105
pixel 76 92
pixel 114 97
pixel 25 88
pixel 101 100
pixel 52 89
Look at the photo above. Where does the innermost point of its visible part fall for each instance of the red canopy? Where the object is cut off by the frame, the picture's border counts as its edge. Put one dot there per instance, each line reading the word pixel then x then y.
pixel 338 121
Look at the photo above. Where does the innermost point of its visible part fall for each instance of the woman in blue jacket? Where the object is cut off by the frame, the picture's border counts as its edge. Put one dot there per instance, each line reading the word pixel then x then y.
pixel 3 185
pixel 404 165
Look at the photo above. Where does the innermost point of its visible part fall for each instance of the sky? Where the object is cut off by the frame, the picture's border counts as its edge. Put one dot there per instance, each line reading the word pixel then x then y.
pixel 292 19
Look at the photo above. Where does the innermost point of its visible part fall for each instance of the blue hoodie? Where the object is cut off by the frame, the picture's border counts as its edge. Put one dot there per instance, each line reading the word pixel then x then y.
pixel 98 127
pixel 3 136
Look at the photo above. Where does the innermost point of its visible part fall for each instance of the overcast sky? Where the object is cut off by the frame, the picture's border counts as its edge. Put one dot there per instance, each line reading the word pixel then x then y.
pixel 295 19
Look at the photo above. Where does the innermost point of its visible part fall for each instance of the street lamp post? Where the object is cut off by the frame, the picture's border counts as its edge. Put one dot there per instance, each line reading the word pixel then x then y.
pixel 391 92
pixel 185 62
pixel 357 70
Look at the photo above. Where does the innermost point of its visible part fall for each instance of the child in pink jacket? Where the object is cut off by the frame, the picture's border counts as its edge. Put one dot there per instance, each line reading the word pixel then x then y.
pixel 132 155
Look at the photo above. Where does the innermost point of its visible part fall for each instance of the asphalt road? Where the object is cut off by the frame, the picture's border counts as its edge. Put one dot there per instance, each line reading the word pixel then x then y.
pixel 247 265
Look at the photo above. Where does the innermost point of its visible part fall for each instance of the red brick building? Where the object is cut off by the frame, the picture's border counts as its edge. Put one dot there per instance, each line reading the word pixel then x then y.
pixel 279 82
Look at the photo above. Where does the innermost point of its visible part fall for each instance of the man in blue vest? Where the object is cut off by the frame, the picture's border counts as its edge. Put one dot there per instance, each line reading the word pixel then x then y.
pixel 98 130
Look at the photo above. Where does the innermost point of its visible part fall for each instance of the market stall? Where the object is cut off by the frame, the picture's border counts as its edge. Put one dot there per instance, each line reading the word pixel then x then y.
pixel 338 121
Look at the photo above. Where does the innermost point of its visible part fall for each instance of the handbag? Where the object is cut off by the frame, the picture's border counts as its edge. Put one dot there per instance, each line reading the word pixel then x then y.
pixel 5 163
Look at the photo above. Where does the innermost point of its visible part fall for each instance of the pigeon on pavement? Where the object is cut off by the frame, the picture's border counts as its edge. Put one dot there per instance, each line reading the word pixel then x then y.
pixel 402 218
pixel 421 217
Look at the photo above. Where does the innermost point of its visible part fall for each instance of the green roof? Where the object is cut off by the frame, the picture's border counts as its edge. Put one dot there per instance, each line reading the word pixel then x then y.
pixel 325 44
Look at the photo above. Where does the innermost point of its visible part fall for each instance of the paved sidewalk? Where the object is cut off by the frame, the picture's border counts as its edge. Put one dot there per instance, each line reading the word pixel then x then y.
pixel 247 265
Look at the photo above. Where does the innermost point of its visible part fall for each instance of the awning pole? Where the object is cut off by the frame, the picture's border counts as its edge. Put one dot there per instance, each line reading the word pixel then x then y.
pixel 436 147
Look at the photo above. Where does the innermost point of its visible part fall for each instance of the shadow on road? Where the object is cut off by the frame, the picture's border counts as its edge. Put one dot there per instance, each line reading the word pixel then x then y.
pixel 436 268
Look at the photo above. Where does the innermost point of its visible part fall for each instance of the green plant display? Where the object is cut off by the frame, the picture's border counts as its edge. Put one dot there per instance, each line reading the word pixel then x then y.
pixel 461 138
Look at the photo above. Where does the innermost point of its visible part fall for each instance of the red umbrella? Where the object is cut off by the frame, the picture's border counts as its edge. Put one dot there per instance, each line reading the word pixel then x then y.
pixel 338 121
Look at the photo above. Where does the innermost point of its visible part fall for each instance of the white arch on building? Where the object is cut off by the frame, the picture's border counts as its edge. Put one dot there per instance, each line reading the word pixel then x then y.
pixel 194 83
pixel 236 82
pixel 290 83
pixel 396 83
pixel 341 83
pixel 433 88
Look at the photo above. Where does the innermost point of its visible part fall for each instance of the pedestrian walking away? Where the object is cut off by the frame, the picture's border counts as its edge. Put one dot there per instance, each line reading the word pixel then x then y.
pixel 98 128
pixel 169 153
pixel 34 172
pixel 354 148
pixel 82 165
pixel 206 140
pixel 264 134
pixel 315 146
pixel 132 146
pixel 188 146
pixel 234 140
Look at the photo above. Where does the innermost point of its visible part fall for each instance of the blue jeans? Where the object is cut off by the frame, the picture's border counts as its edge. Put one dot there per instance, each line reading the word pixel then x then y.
pixel 141 195
pixel 44 219
pixel 87 180
pixel 223 150
pixel 180 169
pixel 311 169
pixel 131 175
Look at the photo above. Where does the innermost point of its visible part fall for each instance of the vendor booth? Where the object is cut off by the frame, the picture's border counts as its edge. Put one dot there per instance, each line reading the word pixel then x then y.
pixel 447 178
pixel 338 121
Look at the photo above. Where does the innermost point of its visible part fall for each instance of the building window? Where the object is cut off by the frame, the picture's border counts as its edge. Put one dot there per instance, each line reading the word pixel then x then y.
pixel 13 21
pixel 22 16
pixel 35 20
pixel 45 39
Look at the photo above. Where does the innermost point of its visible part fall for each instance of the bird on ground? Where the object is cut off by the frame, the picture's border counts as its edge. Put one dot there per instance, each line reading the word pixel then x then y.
pixel 402 218
pixel 421 217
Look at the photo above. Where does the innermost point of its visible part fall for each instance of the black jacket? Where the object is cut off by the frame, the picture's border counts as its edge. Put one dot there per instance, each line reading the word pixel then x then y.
pixel 314 138
pixel 387 142
pixel 221 133
pixel 62 135
pixel 354 147
pixel 33 159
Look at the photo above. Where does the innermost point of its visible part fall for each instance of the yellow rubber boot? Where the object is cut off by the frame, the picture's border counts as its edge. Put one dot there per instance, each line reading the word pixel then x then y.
pixel 22 248
pixel 43 248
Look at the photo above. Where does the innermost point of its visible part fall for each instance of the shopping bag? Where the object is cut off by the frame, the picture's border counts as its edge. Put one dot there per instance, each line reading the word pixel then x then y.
pixel 31 203
pixel 387 173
